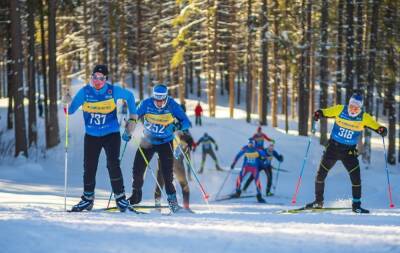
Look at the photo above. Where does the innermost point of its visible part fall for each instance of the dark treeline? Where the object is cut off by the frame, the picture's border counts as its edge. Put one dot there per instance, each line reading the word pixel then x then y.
pixel 284 58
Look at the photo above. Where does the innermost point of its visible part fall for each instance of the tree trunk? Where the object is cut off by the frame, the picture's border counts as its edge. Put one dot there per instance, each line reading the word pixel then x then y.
pixel 44 71
pixel 139 58
pixel 349 49
pixel 32 129
pixel 274 109
pixel 359 46
pixel 231 62
pixel 86 39
pixel 263 95
pixel 10 82
pixel 198 78
pixel 18 83
pixel 303 89
pixel 249 61
pixel 390 74
pixel 369 102
pixel 324 71
pixel 339 53
pixel 54 137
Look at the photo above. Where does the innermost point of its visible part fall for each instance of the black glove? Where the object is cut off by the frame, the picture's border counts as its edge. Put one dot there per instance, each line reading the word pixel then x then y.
pixel 232 166
pixel 216 148
pixel 317 115
pixel 280 158
pixel 177 126
pixel 382 131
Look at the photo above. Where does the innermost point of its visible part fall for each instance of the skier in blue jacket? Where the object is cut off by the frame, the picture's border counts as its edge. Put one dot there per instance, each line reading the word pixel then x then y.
pixel 161 116
pixel 266 166
pixel 98 100
pixel 251 164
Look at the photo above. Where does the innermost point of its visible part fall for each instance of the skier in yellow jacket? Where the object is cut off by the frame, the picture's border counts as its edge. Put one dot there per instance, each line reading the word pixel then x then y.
pixel 350 121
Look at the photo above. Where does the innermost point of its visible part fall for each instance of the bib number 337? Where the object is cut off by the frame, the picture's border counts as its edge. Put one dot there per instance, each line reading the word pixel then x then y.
pixel 345 133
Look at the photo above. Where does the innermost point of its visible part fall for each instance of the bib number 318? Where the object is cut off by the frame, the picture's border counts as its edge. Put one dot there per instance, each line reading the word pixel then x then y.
pixel 345 133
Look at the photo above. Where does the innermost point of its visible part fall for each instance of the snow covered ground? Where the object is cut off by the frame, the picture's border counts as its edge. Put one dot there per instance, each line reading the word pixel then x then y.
pixel 32 217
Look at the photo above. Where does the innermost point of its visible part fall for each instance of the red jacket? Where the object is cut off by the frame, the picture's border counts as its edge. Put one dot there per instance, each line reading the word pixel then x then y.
pixel 198 110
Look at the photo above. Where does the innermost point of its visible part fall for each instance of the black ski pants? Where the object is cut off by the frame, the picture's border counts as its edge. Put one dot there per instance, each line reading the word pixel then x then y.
pixel 92 148
pixel 166 157
pixel 348 155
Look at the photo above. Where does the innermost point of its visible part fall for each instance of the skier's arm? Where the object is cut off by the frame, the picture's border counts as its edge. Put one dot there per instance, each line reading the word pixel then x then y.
pixel 372 124
pixel 237 157
pixel 213 141
pixel 121 93
pixel 141 109
pixel 332 112
pixel 268 138
pixel 77 101
pixel 277 156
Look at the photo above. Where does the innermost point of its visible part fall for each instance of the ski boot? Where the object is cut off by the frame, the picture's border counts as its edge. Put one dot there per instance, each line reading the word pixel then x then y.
pixel 121 202
pixel 219 168
pixel 86 202
pixel 237 194
pixel 173 203
pixel 315 205
pixel 269 194
pixel 356 207
pixel 157 203
pixel 136 197
pixel 260 199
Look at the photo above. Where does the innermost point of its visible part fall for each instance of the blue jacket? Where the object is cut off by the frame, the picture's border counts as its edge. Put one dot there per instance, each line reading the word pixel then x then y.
pixel 268 157
pixel 99 108
pixel 252 156
pixel 159 123
pixel 206 142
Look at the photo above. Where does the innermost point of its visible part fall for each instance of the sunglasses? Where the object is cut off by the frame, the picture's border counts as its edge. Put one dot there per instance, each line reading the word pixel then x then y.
pixel 100 78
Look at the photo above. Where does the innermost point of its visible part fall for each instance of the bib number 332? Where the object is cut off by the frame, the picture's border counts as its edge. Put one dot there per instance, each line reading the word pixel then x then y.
pixel 345 133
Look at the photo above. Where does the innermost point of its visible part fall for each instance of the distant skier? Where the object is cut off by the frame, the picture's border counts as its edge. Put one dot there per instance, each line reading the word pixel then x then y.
pixel 251 164
pixel 198 111
pixel 158 113
pixel 350 121
pixel 266 166
pixel 206 141
pixel 184 144
pixel 259 138
pixel 99 100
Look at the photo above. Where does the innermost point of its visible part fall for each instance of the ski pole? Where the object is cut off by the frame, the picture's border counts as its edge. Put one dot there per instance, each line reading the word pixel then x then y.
pixel 120 159
pixel 223 184
pixel 387 174
pixel 277 177
pixel 205 194
pixel 163 193
pixel 294 199
pixel 66 157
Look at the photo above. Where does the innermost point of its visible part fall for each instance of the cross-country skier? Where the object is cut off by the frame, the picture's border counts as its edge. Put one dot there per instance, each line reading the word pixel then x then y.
pixel 259 138
pixel 99 100
pixel 251 164
pixel 183 144
pixel 266 166
pixel 350 121
pixel 207 149
pixel 158 113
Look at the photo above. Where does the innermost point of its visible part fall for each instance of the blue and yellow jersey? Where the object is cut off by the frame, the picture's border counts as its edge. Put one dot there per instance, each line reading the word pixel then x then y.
pixel 347 129
pixel 99 108
pixel 158 122
pixel 206 142
pixel 252 156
